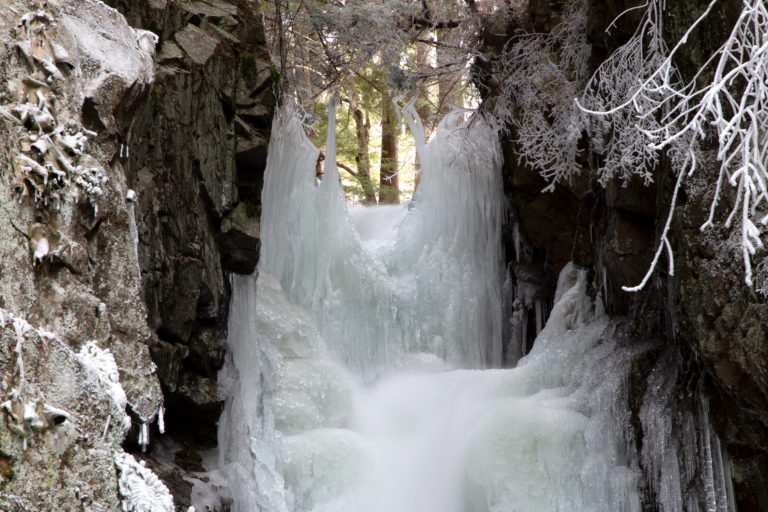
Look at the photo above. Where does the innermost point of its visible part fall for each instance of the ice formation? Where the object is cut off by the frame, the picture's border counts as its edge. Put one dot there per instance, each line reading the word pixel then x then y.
pixel 101 364
pixel 377 222
pixel 358 378
pixel 321 265
pixel 142 491
pixel 131 197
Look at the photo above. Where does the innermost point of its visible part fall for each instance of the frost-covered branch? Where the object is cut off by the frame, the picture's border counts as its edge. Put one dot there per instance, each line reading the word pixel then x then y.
pixel 337 40
pixel 660 112
pixel 541 74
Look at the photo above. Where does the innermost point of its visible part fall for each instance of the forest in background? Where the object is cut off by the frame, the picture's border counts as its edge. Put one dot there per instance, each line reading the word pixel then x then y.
pixel 373 55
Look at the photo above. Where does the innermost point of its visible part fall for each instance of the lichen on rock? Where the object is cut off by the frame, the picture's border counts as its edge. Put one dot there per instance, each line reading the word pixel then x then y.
pixel 67 263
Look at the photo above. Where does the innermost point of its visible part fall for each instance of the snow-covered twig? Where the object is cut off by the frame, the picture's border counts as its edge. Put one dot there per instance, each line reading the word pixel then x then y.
pixel 541 73
pixel 661 112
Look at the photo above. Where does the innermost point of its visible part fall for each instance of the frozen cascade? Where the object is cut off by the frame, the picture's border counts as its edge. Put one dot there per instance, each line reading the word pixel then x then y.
pixel 450 234
pixel 377 222
pixel 359 376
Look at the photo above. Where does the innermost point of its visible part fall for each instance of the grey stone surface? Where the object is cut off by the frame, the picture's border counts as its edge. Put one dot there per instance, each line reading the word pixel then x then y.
pixel 67 264
pixel 87 287
pixel 162 125
pixel 66 461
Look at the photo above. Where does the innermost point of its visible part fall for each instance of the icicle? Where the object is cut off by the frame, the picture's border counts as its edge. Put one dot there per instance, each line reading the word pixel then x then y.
pixel 415 125
pixel 143 440
pixel 539 315
pixel 106 427
pixel 134 230
pixel 331 171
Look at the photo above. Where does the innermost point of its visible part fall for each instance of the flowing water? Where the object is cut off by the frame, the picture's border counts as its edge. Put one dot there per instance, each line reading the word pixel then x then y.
pixel 364 359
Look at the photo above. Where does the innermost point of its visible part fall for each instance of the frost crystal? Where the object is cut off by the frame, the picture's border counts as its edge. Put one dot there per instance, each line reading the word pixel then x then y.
pixel 541 76
pixel 141 489
pixel 669 114
pixel 761 277
pixel 101 363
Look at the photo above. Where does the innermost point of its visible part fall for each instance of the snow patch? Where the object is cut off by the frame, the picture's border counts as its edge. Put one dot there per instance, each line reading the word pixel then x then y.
pixel 147 41
pixel 103 36
pixel 40 250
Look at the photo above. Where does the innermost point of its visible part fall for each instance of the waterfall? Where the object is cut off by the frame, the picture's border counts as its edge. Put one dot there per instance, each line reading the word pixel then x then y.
pixel 363 369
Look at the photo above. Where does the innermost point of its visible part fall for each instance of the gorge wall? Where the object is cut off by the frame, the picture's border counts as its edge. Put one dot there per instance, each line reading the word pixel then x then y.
pixel 133 163
pixel 703 321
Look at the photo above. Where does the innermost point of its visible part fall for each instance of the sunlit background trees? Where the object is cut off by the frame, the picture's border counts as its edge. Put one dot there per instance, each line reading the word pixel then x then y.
pixel 375 54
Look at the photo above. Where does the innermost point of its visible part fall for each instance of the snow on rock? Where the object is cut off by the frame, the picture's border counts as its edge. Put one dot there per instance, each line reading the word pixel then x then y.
pixel 141 489
pixel 101 364
pixel 104 38
pixel 147 41
pixel 112 55
pixel 39 249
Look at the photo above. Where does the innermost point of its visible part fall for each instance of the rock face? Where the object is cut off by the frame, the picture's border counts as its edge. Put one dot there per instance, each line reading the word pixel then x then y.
pixel 725 324
pixel 60 428
pixel 716 324
pixel 66 259
pixel 195 153
pixel 136 139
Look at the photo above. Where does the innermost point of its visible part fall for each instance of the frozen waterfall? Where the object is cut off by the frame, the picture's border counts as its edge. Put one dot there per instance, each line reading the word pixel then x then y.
pixel 363 373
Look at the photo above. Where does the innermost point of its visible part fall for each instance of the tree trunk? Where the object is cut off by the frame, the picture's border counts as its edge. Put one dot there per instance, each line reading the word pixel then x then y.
pixel 362 158
pixel 389 185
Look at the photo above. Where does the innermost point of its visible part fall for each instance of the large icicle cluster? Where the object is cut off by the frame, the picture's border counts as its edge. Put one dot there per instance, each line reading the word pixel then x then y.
pixel 316 255
pixel 681 453
pixel 345 388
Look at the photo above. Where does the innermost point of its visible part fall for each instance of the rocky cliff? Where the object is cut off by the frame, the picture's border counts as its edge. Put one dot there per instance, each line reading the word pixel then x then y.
pixel 135 141
pixel 709 329
pixel 198 138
